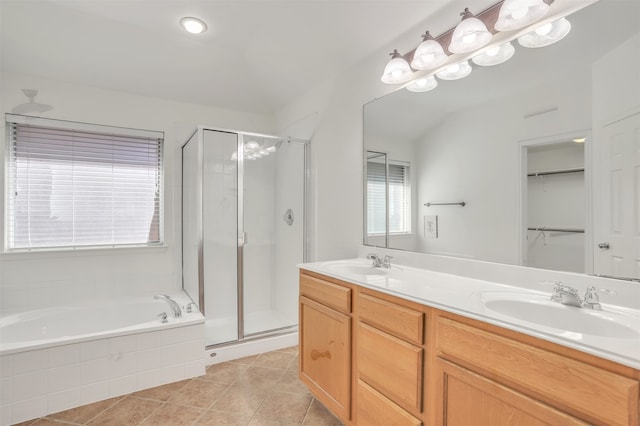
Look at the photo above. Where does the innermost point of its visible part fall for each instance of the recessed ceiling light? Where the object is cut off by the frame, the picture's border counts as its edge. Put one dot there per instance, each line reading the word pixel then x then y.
pixel 193 25
pixel 580 140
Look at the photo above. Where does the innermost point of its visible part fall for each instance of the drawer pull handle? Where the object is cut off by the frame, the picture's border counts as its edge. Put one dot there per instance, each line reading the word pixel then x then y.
pixel 315 354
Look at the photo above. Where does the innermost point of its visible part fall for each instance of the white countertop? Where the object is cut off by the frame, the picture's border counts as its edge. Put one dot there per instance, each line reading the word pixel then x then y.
pixel 468 297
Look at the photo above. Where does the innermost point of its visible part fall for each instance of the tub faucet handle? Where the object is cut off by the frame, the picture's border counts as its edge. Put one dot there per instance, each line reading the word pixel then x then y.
pixel 189 307
pixel 163 317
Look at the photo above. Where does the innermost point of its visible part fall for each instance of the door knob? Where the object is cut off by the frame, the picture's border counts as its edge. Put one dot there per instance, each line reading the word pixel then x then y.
pixel 604 246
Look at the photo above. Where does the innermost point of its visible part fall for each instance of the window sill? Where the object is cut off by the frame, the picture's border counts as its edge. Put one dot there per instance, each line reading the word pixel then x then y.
pixel 392 235
pixel 82 251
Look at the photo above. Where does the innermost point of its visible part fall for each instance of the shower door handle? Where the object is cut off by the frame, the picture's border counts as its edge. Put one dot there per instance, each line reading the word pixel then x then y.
pixel 242 239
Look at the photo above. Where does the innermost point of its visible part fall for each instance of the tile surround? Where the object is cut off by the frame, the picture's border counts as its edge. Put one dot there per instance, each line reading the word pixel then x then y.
pixel 42 381
pixel 252 391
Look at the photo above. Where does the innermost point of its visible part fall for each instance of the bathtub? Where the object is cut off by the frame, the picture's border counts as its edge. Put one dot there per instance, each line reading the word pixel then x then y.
pixel 58 358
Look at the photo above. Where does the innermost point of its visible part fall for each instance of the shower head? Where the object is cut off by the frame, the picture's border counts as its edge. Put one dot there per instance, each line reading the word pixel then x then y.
pixel 32 106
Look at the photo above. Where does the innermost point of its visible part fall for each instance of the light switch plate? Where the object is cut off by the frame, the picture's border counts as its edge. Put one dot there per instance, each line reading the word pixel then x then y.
pixel 431 226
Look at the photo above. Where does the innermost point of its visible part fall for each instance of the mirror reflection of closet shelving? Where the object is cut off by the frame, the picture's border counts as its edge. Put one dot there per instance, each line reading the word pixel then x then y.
pixel 243 231
pixel 556 206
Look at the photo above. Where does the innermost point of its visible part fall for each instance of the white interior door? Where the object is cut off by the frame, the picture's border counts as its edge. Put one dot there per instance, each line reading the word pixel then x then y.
pixel 617 233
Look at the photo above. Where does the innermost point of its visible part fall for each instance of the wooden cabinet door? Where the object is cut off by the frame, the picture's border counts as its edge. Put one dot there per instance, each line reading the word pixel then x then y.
pixel 325 355
pixel 466 398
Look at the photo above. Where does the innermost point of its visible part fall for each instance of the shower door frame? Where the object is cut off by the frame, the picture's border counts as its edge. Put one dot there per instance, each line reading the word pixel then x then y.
pixel 241 236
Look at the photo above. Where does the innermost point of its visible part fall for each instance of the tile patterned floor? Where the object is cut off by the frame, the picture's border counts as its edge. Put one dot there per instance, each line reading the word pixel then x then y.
pixel 260 390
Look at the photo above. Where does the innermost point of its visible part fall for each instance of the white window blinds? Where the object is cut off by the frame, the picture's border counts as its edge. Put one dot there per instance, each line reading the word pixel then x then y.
pixel 72 185
pixel 399 198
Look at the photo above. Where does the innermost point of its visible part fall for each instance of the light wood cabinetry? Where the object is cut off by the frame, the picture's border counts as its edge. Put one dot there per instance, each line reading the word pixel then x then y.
pixel 470 399
pixel 376 409
pixel 582 387
pixel 325 343
pixel 389 353
pixel 586 390
pixel 416 365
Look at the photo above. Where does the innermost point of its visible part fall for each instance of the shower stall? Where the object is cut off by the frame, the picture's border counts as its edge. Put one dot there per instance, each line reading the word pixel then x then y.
pixel 243 231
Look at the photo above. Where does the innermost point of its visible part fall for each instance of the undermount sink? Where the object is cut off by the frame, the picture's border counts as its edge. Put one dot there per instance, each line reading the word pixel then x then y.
pixel 539 310
pixel 358 268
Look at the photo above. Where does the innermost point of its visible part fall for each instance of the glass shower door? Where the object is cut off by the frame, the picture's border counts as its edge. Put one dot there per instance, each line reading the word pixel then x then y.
pixel 273 211
pixel 220 236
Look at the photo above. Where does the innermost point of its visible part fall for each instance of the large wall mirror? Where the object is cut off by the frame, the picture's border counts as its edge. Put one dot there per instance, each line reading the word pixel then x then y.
pixel 533 162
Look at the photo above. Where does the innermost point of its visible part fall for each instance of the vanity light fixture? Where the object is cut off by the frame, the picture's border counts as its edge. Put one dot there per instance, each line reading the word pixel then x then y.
pixel 251 146
pixel 429 54
pixel 193 25
pixel 495 55
pixel 397 70
pixel 423 84
pixel 455 71
pixel 516 14
pixel 470 39
pixel 546 34
pixel 470 34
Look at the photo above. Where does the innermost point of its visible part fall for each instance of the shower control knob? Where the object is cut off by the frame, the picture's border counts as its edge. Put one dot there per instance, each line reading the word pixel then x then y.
pixel 604 246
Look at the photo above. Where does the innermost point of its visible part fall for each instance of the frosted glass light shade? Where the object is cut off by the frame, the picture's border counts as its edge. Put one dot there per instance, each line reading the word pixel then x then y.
pixel 423 84
pixel 251 145
pixel 494 56
pixel 429 54
pixel 515 14
pixel 455 71
pixel 397 70
pixel 470 34
pixel 546 34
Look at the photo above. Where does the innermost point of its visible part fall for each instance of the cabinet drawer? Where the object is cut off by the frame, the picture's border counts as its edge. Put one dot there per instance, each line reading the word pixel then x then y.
pixel 329 294
pixel 375 409
pixel 391 366
pixel 408 324
pixel 571 385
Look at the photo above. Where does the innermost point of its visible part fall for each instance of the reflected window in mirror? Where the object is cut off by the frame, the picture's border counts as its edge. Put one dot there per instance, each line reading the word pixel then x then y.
pixel 399 191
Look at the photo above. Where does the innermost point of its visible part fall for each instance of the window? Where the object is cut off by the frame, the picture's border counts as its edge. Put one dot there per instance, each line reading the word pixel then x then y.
pixel 399 198
pixel 74 185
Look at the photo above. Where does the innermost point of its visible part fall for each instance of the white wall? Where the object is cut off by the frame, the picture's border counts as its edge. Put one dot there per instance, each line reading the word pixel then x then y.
pixel 29 280
pixel 474 156
pixel 336 157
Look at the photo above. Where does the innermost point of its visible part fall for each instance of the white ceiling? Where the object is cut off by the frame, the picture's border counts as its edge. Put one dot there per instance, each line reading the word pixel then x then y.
pixel 256 56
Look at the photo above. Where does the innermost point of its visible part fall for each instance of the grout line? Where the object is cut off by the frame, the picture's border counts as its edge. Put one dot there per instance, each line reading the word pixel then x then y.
pixel 117 400
pixel 306 413
pixel 152 413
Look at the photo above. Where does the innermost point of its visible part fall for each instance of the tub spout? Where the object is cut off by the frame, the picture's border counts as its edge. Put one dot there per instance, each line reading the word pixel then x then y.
pixel 175 308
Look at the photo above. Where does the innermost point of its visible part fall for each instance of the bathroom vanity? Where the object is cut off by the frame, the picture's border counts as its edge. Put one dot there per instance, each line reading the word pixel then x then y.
pixel 404 346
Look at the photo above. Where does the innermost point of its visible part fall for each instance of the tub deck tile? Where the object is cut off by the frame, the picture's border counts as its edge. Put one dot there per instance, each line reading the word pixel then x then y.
pixel 257 390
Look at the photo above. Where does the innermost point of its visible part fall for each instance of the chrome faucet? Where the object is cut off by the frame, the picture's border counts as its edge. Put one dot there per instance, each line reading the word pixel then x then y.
pixel 591 299
pixel 380 262
pixel 177 312
pixel 568 295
